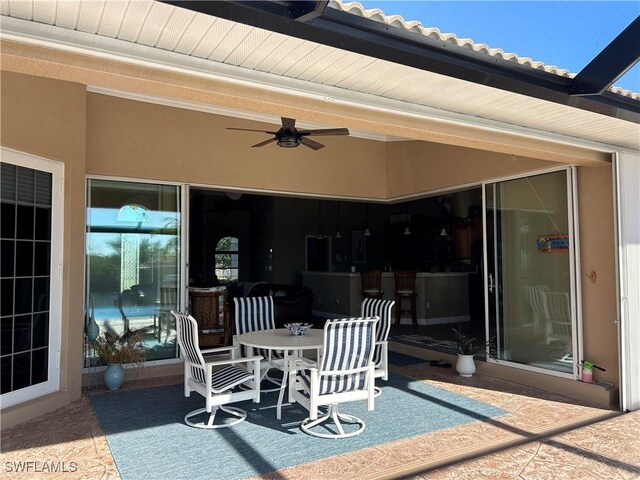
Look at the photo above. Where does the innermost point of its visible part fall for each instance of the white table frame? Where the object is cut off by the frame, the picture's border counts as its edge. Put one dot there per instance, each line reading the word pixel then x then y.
pixel 281 339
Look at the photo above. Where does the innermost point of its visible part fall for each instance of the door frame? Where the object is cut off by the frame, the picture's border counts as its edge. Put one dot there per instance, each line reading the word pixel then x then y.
pixel 56 169
pixel 574 270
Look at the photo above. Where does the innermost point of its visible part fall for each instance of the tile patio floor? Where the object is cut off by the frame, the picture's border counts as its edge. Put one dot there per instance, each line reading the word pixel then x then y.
pixel 543 436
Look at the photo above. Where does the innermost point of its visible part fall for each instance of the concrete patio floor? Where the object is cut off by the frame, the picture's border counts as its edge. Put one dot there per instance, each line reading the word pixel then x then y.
pixel 542 436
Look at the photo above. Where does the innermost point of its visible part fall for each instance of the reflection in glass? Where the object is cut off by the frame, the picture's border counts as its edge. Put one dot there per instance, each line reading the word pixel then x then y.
pixel 528 230
pixel 133 261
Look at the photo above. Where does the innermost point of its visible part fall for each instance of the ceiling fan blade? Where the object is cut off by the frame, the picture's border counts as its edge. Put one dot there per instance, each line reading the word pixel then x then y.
pixel 328 131
pixel 250 130
pixel 288 123
pixel 262 144
pixel 307 142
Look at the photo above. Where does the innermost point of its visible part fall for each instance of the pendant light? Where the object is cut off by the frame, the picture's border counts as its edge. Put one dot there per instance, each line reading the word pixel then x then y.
pixel 367 232
pixel 338 234
pixel 407 231
pixel 320 236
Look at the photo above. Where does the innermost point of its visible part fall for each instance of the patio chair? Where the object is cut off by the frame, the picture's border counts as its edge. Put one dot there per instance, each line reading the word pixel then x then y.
pixel 557 312
pixel 344 373
pixel 372 307
pixel 215 380
pixel 253 314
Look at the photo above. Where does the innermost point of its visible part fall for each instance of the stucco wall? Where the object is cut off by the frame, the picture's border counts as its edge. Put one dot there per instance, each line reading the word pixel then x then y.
pixel 597 254
pixel 47 118
pixel 421 167
pixel 151 141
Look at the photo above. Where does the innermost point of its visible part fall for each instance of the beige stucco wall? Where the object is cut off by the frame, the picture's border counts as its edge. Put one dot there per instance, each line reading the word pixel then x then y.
pixel 144 140
pixel 418 167
pixel 47 118
pixel 597 254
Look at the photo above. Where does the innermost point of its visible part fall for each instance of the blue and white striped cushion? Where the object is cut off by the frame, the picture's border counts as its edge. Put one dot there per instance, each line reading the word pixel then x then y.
pixel 347 345
pixel 254 314
pixel 188 340
pixel 228 377
pixel 373 307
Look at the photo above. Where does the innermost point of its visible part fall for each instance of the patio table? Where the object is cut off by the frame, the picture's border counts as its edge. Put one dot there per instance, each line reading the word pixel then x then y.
pixel 282 339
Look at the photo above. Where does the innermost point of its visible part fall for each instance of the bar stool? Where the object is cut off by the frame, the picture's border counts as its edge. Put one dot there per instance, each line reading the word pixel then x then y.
pixel 406 290
pixel 371 284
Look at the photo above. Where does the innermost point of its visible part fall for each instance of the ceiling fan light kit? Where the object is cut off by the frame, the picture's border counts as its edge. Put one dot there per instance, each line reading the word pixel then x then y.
pixel 288 136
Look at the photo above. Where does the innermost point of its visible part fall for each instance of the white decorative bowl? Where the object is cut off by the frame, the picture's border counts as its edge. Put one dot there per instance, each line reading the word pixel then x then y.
pixel 298 329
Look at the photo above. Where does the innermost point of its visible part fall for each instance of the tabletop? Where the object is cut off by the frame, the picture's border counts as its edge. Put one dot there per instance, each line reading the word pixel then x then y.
pixel 281 339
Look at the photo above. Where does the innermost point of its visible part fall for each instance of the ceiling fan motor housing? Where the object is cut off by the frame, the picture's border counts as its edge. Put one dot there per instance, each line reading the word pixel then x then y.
pixel 288 139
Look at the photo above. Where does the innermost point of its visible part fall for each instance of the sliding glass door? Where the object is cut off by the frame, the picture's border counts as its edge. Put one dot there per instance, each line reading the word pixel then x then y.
pixel 133 262
pixel 529 255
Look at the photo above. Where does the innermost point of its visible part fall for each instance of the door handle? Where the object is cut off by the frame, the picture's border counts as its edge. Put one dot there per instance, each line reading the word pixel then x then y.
pixel 490 283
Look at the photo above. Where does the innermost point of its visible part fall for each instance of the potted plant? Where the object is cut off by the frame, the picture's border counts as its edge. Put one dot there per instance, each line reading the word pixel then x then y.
pixel 466 348
pixel 115 350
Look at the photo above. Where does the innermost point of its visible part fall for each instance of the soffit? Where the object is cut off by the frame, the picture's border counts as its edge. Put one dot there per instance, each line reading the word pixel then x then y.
pixel 193 39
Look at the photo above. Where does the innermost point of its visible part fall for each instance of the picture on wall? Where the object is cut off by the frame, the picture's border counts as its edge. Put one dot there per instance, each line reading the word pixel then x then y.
pixel 358 246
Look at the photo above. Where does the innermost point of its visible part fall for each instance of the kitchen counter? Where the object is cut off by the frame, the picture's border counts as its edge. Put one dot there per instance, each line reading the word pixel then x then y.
pixel 443 297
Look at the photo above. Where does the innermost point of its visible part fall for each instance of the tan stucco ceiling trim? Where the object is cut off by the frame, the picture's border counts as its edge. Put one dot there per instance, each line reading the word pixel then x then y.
pixel 116 75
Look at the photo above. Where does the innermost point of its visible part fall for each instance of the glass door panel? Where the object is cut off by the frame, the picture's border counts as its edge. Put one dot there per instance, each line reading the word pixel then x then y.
pixel 133 262
pixel 529 255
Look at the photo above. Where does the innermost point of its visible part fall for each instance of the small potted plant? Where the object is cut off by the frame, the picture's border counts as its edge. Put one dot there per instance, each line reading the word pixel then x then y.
pixel 466 348
pixel 115 350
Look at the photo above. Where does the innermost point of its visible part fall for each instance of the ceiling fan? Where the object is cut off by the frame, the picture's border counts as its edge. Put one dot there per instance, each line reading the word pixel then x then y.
pixel 288 136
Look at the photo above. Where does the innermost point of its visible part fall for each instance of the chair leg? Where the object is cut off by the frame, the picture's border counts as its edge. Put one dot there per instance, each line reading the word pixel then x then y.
pixel 236 412
pixel 337 418
pixel 414 318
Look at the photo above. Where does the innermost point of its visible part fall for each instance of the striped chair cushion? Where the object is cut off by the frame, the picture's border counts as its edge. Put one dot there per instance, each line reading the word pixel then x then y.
pixel 334 383
pixel 347 346
pixel 228 377
pixel 253 314
pixel 373 307
pixel 188 338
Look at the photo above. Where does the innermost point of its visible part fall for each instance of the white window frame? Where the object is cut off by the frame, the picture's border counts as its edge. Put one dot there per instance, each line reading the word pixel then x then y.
pixel 184 264
pixel 56 169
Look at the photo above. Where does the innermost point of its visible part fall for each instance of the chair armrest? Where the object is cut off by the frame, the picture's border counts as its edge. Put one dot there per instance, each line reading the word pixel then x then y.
pixel 230 361
pixel 217 350
pixel 301 362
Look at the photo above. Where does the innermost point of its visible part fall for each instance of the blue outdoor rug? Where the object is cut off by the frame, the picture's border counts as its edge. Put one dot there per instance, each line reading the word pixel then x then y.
pixel 402 360
pixel 148 438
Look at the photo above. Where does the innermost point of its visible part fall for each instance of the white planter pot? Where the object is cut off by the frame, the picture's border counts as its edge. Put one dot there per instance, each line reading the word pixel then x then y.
pixel 465 366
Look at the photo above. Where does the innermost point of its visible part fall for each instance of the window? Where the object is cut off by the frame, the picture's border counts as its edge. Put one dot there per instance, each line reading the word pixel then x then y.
pixel 31 316
pixel 227 259
pixel 133 262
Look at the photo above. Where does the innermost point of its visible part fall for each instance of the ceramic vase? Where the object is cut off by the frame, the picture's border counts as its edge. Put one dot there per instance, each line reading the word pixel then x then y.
pixel 465 366
pixel 114 376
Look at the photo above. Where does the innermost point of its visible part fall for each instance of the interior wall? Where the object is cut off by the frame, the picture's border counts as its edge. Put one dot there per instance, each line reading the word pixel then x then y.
pixel 597 254
pixel 47 118
pixel 143 140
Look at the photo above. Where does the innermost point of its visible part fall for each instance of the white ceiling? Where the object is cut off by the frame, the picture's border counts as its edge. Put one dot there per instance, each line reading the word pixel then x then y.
pixel 145 29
